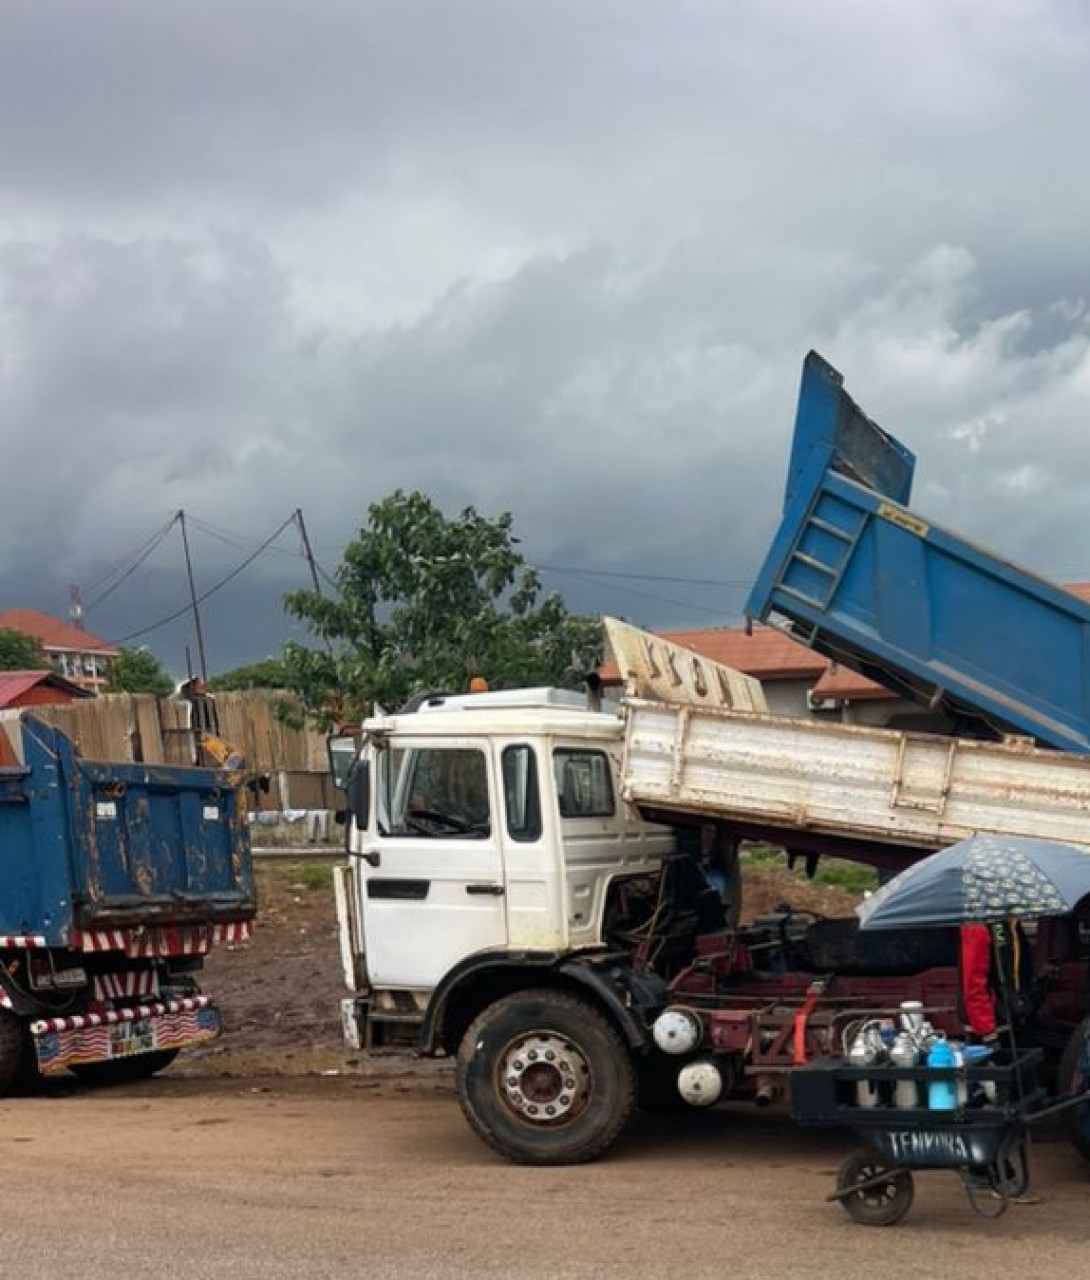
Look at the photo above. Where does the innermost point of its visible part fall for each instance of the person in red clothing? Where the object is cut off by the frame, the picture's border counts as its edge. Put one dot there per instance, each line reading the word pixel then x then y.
pixel 975 976
pixel 997 983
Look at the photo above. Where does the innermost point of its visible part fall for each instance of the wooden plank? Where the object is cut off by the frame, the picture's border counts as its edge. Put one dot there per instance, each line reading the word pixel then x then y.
pixel 148 729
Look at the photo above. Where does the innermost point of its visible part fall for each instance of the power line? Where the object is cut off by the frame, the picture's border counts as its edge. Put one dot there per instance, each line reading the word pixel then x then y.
pixel 147 550
pixel 211 591
pixel 239 541
pixel 646 595
pixel 646 577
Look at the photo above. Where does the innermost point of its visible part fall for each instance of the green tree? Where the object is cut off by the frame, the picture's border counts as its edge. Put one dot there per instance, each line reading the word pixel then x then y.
pixel 20 652
pixel 269 673
pixel 139 671
pixel 426 602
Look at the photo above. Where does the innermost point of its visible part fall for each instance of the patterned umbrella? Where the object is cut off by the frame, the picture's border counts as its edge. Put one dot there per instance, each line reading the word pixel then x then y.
pixel 985 878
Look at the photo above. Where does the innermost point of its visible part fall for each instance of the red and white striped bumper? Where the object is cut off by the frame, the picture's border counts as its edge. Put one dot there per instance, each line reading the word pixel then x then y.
pixel 124 1032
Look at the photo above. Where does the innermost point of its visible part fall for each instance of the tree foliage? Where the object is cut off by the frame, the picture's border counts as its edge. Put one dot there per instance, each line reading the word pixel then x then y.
pixel 426 602
pixel 139 671
pixel 20 652
pixel 269 673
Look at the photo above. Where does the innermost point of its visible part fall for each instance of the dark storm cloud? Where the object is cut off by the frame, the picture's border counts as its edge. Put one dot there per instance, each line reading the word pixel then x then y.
pixel 558 259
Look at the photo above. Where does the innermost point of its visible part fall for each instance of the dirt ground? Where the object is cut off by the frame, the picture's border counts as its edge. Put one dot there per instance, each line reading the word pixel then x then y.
pixel 280 993
pixel 361 1178
pixel 272 1155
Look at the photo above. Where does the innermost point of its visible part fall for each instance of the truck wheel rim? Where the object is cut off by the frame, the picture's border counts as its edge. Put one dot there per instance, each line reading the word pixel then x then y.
pixel 544 1078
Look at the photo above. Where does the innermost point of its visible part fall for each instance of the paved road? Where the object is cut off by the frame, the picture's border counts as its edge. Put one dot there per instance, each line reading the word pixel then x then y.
pixel 331 1178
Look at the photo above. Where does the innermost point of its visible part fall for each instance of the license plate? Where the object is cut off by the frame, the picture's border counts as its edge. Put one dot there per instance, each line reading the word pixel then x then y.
pixel 128 1038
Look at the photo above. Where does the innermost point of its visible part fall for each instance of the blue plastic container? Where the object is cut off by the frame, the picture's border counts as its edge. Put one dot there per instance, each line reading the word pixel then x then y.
pixel 941 1094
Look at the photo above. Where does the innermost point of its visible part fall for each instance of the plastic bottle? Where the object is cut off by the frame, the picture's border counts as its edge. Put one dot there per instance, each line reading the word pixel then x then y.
pixel 903 1053
pixel 941 1094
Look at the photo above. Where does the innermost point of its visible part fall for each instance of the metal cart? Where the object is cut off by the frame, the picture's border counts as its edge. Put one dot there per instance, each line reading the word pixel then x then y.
pixel 984 1138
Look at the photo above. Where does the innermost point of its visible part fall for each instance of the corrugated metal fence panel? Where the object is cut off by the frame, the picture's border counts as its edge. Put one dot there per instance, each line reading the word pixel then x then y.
pixel 859 784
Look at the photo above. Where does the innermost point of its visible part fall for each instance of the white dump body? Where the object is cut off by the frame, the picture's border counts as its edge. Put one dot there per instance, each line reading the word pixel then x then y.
pixel 859 784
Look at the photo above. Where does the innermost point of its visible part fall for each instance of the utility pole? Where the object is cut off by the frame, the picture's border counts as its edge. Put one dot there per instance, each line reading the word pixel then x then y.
pixel 309 553
pixel 307 549
pixel 75 606
pixel 193 600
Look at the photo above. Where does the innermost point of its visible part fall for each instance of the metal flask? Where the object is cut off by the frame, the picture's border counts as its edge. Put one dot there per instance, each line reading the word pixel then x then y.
pixel 863 1053
pixel 903 1053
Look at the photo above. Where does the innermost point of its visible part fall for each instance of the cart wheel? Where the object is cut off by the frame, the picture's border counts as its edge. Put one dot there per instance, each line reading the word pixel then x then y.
pixel 882 1203
pixel 1009 1175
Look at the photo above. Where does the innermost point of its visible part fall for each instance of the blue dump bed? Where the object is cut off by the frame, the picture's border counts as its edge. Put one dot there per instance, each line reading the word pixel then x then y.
pixel 86 845
pixel 861 578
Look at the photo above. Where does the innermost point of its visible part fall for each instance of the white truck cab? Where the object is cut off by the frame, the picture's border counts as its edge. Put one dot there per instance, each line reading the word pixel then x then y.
pixel 483 827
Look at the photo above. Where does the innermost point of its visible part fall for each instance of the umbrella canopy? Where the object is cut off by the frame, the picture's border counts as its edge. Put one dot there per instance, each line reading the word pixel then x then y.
pixel 984 878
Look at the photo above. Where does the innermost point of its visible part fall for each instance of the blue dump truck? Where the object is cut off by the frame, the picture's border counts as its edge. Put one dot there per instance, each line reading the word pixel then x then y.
pixel 115 882
pixel 889 592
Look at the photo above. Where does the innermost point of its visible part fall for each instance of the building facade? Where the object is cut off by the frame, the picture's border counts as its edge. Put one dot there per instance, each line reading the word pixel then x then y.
pixel 73 653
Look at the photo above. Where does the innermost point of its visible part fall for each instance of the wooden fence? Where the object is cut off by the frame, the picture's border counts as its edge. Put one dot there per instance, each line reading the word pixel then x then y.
pixel 142 729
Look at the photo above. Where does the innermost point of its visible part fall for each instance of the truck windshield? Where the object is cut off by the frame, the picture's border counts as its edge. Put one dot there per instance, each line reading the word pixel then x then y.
pixel 439 792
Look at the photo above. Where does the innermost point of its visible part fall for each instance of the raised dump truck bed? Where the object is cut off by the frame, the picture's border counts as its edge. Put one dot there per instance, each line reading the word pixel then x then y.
pixel 876 795
pixel 861 578
pixel 699 740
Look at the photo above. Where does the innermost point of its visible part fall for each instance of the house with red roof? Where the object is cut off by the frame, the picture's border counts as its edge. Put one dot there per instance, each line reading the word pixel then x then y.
pixel 75 654
pixel 37 689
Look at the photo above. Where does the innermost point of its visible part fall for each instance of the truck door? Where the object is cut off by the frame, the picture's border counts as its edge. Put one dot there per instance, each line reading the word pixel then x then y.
pixel 432 873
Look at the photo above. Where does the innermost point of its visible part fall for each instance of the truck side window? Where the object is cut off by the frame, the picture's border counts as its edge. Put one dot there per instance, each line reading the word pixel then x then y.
pixel 521 796
pixel 584 785
pixel 441 792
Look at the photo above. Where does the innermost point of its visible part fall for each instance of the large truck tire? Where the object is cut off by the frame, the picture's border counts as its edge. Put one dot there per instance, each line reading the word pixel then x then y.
pixel 125 1070
pixel 16 1067
pixel 544 1079
pixel 1073 1076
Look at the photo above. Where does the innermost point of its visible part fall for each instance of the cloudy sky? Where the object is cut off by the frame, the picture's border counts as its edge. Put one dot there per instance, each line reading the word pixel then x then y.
pixel 562 258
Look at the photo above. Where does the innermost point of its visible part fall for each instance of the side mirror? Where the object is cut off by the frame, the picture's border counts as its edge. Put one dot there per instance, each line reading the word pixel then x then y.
pixel 357 792
pixel 343 750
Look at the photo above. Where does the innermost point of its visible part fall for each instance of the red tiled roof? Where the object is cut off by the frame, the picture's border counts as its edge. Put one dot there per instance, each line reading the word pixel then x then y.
pixel 53 633
pixel 13 684
pixel 766 654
